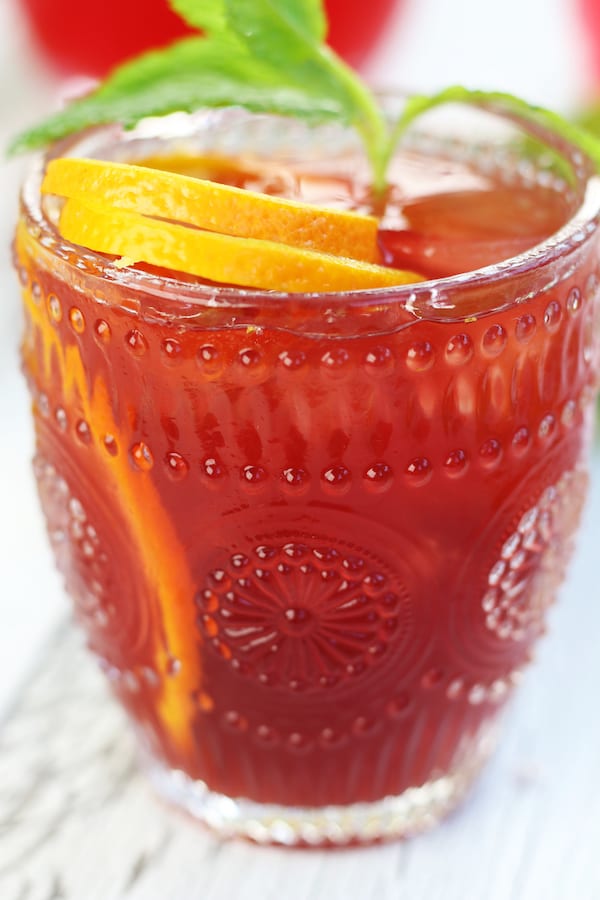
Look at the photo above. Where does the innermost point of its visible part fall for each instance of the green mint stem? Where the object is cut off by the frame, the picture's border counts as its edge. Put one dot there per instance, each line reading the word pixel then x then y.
pixel 497 101
pixel 367 117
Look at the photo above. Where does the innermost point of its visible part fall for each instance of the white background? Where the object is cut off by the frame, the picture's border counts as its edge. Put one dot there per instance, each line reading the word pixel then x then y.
pixel 531 47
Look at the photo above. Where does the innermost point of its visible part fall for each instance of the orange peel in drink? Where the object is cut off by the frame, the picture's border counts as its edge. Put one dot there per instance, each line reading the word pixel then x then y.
pixel 214 207
pixel 247 262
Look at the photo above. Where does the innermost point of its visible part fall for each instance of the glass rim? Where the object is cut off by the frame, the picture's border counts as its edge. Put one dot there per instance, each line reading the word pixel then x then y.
pixel 427 299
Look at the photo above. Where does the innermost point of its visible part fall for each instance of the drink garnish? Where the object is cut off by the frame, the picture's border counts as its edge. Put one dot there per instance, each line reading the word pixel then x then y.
pixel 213 206
pixel 218 257
pixel 267 56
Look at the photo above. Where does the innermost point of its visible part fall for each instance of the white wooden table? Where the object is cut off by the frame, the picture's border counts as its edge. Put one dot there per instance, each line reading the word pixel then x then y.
pixel 76 820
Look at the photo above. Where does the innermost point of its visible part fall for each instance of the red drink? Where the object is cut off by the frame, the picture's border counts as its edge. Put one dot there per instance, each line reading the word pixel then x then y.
pixel 355 27
pixel 78 41
pixel 590 13
pixel 312 539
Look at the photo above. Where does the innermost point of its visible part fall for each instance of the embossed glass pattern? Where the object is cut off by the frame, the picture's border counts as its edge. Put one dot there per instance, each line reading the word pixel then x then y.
pixel 312 539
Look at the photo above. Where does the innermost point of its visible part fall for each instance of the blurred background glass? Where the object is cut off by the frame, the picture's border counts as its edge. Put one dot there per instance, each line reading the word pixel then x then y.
pixel 590 20
pixel 124 28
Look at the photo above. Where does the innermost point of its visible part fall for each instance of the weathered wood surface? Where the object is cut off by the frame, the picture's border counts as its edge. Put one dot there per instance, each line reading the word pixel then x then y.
pixel 78 822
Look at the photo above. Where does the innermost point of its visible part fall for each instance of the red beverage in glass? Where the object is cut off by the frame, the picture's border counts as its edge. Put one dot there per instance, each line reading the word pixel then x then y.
pixel 313 538
pixel 78 41
pixel 590 15
pixel 356 27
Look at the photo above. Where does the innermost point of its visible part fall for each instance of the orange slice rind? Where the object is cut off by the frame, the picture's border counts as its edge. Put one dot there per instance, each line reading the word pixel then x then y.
pixel 214 207
pixel 220 258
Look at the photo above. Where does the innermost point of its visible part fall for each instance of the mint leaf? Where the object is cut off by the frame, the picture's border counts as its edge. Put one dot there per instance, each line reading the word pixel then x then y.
pixel 274 26
pixel 265 55
pixel 287 35
pixel 208 16
pixel 507 104
pixel 191 74
pixel 269 56
pixel 274 33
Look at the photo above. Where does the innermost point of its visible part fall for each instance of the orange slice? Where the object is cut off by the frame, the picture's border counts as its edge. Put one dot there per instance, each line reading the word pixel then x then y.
pixel 218 257
pixel 214 207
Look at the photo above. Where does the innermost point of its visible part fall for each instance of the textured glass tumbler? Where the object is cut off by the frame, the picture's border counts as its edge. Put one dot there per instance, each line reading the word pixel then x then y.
pixel 312 538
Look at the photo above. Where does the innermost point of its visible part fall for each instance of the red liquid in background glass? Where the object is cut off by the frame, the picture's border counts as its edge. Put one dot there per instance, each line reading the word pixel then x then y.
pixel 372 525
pixel 590 15
pixel 355 26
pixel 80 42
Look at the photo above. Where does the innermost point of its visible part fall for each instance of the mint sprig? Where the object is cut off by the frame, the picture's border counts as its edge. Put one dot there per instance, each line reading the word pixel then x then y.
pixel 270 56
pixel 265 55
pixel 193 73
pixel 503 103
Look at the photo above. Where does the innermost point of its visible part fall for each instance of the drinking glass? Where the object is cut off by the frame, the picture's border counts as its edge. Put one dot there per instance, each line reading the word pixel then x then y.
pixel 313 538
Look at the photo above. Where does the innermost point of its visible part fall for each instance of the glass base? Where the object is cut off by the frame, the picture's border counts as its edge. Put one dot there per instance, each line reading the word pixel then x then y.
pixel 415 810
